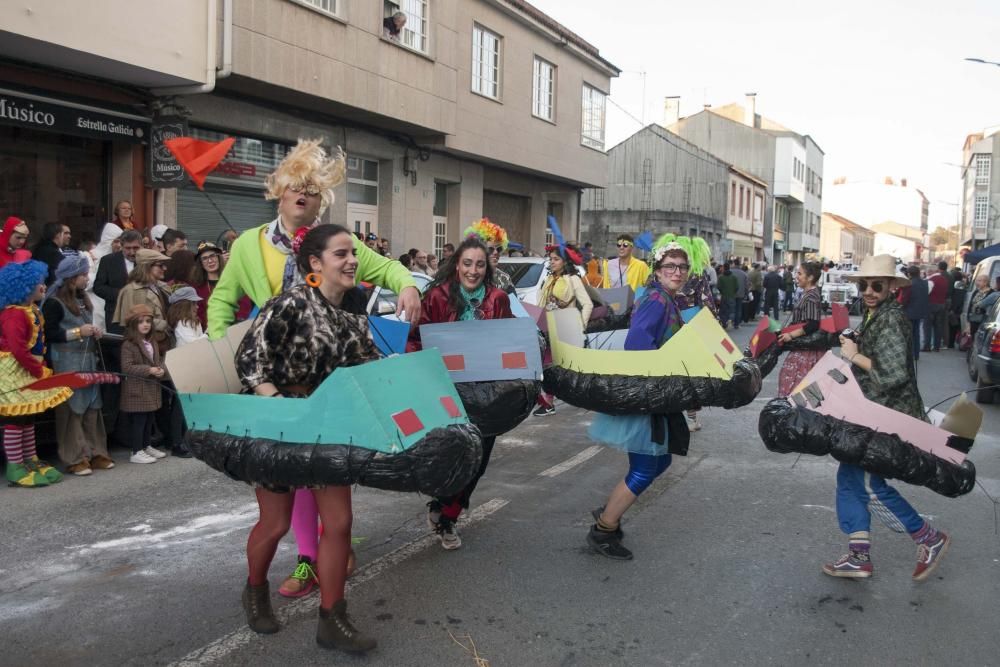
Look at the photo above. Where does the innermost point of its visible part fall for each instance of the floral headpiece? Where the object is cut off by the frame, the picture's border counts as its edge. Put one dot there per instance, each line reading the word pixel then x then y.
pixel 490 233
pixel 697 251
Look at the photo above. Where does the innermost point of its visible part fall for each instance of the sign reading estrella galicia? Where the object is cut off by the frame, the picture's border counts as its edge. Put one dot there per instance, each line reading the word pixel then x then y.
pixel 484 350
pixel 43 114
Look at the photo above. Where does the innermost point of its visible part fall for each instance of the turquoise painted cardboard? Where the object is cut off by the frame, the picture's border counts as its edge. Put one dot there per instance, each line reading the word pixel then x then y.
pixel 354 405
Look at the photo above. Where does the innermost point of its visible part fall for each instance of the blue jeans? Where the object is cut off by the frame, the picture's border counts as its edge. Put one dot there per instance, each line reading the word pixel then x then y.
pixel 860 493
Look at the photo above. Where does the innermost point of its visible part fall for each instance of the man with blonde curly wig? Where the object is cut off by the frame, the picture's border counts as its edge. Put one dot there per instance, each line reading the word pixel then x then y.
pixel 262 264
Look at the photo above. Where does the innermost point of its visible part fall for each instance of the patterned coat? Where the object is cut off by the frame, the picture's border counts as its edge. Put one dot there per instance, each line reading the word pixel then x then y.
pixel 885 338
pixel 139 394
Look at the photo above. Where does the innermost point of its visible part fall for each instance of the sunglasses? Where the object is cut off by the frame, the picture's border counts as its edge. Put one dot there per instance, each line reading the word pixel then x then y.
pixel 492 249
pixel 624 244
pixel 675 268
pixel 876 285
pixel 308 188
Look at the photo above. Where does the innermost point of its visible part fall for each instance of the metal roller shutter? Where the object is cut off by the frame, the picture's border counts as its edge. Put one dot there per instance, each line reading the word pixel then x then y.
pixel 511 212
pixel 244 207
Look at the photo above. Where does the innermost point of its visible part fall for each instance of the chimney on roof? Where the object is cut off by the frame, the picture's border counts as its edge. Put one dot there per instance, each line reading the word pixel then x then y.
pixel 671 110
pixel 750 110
pixel 706 106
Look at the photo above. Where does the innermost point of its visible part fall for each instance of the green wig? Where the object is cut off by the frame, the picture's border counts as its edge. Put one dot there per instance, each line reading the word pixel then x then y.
pixel 697 251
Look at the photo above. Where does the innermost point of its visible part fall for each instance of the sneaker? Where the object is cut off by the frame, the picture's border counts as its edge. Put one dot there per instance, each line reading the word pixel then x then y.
pixel 302 581
pixel 544 411
pixel 693 423
pixel 100 462
pixel 597 517
pixel 154 452
pixel 851 566
pixel 81 469
pixel 930 555
pixel 608 545
pixel 141 457
pixel 448 534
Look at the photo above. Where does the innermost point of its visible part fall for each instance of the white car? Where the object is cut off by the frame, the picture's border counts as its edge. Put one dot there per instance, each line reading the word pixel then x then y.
pixel 837 289
pixel 382 302
pixel 528 275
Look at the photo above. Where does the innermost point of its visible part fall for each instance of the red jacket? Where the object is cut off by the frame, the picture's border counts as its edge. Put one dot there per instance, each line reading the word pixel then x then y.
pixel 435 309
pixel 22 338
pixel 205 291
pixel 942 286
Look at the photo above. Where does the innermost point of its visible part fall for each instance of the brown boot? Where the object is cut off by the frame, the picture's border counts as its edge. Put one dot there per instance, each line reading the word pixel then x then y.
pixel 335 631
pixel 257 605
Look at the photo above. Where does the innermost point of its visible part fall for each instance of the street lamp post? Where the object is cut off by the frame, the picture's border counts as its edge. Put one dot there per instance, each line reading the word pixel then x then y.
pixel 982 62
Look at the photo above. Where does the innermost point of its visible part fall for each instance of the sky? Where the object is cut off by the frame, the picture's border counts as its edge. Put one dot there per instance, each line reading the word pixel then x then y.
pixel 881 85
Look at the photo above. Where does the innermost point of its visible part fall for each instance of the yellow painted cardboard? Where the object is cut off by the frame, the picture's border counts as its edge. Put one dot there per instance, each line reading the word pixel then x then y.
pixel 700 349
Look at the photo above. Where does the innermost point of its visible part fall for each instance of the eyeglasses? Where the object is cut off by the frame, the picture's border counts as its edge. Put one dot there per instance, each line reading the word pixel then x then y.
pixel 624 244
pixel 492 249
pixel 160 265
pixel 308 188
pixel 675 268
pixel 876 285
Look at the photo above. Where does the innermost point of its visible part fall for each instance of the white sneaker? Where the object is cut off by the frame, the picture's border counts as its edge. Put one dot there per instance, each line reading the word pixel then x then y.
pixel 448 534
pixel 155 453
pixel 141 457
pixel 693 423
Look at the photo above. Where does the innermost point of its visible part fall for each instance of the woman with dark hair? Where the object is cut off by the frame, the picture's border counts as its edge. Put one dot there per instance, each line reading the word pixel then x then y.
pixel 179 267
pixel 462 290
pixel 72 337
pixel 807 312
pixel 563 289
pixel 300 337
pixel 209 261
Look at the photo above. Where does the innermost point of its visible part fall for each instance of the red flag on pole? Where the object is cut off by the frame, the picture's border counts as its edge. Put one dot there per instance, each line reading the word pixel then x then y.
pixel 198 157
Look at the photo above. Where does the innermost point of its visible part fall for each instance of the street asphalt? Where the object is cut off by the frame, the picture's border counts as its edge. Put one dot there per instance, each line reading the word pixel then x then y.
pixel 144 565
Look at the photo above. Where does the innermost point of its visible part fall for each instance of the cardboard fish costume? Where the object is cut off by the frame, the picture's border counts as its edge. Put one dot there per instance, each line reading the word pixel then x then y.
pixel 829 414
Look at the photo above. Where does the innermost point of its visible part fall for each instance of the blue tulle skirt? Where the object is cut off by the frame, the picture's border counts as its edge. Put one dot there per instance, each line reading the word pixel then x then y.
pixel 630 433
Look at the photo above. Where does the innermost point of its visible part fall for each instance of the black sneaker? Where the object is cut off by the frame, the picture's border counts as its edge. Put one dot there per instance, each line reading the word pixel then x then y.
pixel 544 411
pixel 597 517
pixel 608 545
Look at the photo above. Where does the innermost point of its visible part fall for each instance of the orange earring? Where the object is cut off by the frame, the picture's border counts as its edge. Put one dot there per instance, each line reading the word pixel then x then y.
pixel 314 279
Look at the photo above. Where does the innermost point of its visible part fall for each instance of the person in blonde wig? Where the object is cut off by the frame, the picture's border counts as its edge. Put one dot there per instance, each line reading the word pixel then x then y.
pixel 262 265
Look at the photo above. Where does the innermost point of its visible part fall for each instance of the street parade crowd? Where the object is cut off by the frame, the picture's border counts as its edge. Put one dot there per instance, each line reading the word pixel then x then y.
pixel 121 303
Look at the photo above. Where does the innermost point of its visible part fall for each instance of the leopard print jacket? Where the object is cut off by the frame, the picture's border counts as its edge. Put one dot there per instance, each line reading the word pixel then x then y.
pixel 299 338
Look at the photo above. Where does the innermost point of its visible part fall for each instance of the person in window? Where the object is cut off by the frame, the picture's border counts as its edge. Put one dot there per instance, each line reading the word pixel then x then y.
pixel 463 290
pixel 882 362
pixel 392 26
pixel 300 337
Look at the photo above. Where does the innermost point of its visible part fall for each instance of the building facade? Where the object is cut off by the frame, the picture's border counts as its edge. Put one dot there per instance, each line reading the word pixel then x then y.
pixel 660 183
pixel 844 241
pixel 745 216
pixel 979 216
pixel 789 163
pixel 474 108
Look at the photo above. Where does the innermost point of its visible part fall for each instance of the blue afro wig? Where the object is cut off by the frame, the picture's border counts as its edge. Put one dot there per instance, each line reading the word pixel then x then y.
pixel 18 281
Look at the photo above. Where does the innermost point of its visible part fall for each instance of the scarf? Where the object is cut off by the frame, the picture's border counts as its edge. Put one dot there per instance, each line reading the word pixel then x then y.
pixel 473 301
pixel 279 239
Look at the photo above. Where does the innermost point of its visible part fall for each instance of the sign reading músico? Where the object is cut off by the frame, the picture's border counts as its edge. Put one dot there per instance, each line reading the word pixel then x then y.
pixel 164 172
pixel 41 113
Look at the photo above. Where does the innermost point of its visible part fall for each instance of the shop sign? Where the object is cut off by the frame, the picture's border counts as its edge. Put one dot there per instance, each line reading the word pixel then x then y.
pixel 163 171
pixel 40 113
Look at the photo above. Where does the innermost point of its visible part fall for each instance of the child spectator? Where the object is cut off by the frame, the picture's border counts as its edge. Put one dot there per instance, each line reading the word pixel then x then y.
pixel 141 388
pixel 183 316
pixel 72 337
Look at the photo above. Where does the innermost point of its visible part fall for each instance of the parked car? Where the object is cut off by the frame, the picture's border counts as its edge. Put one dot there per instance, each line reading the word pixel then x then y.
pixel 528 275
pixel 835 288
pixel 983 357
pixel 382 301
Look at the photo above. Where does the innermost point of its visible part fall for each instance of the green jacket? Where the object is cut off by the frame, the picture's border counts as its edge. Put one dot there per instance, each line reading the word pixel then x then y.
pixel 728 286
pixel 885 338
pixel 245 275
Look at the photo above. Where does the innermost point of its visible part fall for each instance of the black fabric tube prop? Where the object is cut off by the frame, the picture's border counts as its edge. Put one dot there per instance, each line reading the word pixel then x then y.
pixel 817 340
pixel 633 394
pixel 785 428
pixel 440 464
pixel 498 406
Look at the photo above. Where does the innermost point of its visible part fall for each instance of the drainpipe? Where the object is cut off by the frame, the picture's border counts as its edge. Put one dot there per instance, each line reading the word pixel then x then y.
pixel 212 73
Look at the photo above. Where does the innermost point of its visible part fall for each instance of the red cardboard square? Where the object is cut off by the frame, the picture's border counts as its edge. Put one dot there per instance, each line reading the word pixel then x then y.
pixel 408 422
pixel 727 345
pixel 449 405
pixel 514 360
pixel 454 362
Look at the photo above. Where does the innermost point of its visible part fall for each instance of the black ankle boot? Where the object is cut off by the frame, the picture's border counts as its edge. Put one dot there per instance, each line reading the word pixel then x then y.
pixel 336 631
pixel 257 605
pixel 608 544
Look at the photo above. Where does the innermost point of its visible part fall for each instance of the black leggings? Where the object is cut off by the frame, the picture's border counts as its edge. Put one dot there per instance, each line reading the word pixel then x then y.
pixel 452 506
pixel 139 429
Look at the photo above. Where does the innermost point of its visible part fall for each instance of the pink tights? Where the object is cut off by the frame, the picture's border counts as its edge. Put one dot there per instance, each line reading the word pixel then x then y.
pixel 305 523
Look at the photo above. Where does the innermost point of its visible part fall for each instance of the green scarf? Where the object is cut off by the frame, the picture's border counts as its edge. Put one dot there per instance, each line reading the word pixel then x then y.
pixel 473 300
